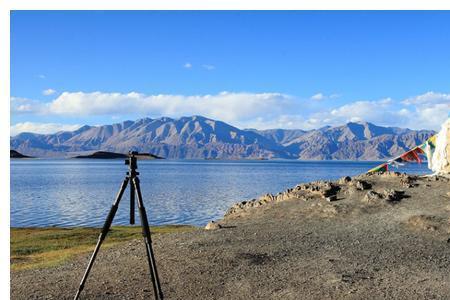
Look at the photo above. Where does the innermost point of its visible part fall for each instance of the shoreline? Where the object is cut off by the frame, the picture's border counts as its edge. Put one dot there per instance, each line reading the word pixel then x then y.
pixel 205 159
pixel 323 189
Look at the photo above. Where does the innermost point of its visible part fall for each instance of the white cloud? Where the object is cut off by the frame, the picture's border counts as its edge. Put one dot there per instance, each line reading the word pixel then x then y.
pixel 187 65
pixel 429 109
pixel 246 110
pixel 428 98
pixel 209 67
pixel 318 97
pixel 380 112
pixel 362 110
pixel 25 105
pixel 226 106
pixel 426 111
pixel 48 92
pixel 41 76
pixel 321 96
pixel 43 128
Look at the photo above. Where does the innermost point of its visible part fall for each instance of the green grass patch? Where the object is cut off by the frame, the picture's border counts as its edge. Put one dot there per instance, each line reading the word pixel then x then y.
pixel 45 247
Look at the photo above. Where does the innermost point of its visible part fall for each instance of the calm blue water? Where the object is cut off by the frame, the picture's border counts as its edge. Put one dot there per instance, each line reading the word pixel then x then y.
pixel 80 192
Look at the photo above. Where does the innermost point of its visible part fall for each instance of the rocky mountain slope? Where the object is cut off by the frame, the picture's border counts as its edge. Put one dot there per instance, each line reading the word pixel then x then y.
pixel 200 137
pixel 355 141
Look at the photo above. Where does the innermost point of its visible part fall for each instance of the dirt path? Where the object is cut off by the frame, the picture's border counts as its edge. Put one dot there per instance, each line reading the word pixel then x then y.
pixel 357 247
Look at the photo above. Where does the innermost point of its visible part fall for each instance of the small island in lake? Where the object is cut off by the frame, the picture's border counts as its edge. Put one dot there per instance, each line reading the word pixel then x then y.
pixel 113 155
pixel 16 154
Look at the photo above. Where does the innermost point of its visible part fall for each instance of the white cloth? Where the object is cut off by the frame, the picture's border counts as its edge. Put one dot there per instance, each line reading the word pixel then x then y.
pixel 440 162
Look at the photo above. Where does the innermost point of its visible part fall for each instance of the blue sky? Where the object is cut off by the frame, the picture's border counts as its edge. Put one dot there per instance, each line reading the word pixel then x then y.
pixel 251 69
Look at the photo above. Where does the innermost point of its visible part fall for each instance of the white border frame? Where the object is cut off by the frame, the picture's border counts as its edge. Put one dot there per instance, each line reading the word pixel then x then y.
pixel 8 5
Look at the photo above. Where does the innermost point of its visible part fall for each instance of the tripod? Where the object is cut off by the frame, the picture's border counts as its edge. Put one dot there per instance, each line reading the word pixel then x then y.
pixel 135 190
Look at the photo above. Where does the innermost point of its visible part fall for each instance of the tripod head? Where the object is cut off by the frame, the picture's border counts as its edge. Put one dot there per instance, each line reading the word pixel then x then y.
pixel 131 161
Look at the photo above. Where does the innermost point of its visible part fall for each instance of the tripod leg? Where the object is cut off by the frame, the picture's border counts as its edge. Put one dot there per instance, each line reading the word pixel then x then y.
pixel 102 235
pixel 132 201
pixel 148 241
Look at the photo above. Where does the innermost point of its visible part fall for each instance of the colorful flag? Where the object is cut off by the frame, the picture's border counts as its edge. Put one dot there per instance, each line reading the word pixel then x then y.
pixel 413 155
pixel 379 168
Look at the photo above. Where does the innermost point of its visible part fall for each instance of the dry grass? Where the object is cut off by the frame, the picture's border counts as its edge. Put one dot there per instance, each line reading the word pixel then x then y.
pixel 45 247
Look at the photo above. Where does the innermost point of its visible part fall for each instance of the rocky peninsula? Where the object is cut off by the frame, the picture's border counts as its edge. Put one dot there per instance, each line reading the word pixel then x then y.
pixel 113 155
pixel 379 236
pixel 16 154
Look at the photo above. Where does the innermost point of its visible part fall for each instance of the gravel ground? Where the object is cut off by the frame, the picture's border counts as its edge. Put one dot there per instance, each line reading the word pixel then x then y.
pixel 357 247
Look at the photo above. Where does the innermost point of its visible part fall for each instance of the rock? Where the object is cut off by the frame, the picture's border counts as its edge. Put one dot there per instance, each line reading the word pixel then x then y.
pixel 213 225
pixel 388 195
pixel 362 185
pixel 284 195
pixel 391 195
pixel 331 198
pixel 345 180
pixel 372 196
pixel 408 181
pixel 266 198
pixel 323 188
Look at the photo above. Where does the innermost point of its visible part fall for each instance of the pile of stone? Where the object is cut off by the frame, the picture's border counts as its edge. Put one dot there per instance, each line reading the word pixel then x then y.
pixel 329 191
pixel 306 191
pixel 389 195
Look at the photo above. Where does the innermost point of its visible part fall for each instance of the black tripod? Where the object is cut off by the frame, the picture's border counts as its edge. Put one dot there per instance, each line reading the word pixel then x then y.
pixel 135 189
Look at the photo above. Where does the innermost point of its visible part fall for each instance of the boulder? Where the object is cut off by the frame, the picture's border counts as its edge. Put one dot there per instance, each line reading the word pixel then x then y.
pixel 388 195
pixel 372 197
pixel 408 182
pixel 322 188
pixel 345 180
pixel 362 185
pixel 213 225
pixel 391 195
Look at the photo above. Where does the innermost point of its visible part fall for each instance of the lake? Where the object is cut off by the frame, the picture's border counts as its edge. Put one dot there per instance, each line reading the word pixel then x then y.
pixel 79 192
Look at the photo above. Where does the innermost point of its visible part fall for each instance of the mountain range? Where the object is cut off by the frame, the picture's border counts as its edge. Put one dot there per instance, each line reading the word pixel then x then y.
pixel 198 137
